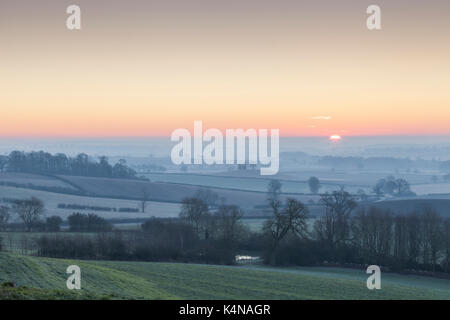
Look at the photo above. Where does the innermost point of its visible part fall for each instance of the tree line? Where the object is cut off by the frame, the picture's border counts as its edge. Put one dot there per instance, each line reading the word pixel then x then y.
pixel 348 234
pixel 81 165
pixel 30 213
pixel 197 236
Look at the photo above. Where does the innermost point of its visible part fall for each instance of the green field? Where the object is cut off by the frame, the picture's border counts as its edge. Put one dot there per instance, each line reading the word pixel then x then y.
pixel 144 280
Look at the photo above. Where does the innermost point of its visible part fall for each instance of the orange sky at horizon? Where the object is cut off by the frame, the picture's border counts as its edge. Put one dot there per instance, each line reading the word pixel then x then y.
pixel 309 69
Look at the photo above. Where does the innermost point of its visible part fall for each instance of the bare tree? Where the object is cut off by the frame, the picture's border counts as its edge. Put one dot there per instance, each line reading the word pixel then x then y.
pixel 228 222
pixel 273 195
pixel 432 236
pixel 414 236
pixel 372 233
pixel 29 211
pixel 291 219
pixel 211 198
pixel 400 238
pixel 4 217
pixel 334 226
pixel 446 242
pixel 196 212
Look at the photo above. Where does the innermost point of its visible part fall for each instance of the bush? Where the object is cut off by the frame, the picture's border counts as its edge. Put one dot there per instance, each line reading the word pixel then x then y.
pixel 79 222
pixel 53 224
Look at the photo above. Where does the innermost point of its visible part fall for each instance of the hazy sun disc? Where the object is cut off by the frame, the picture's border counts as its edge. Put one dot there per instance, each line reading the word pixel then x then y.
pixel 335 137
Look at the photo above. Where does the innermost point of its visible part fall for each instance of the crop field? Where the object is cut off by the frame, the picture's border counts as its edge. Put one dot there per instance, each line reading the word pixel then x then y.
pixel 357 177
pixel 33 179
pixel 335 177
pixel 147 280
pixel 431 188
pixel 247 183
pixel 7 292
pixel 97 279
pixel 441 206
pixel 126 193
pixel 167 192
pixel 51 201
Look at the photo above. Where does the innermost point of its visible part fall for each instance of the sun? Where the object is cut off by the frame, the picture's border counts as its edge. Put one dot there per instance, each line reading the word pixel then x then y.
pixel 335 137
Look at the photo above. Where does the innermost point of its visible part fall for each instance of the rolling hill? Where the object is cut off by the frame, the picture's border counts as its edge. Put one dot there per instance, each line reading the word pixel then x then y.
pixel 147 280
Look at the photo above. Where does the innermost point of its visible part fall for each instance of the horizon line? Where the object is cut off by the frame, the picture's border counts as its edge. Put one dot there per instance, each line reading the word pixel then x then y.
pixel 406 135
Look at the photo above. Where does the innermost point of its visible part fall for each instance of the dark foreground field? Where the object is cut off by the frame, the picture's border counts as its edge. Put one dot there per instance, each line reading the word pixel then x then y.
pixel 145 280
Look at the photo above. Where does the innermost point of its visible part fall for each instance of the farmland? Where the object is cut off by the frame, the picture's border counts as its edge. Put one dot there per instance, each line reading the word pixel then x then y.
pixel 244 183
pixel 51 200
pixel 34 180
pixel 442 206
pixel 166 192
pixel 146 280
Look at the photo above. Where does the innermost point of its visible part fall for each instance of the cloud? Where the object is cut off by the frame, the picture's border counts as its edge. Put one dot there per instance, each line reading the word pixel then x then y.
pixel 321 118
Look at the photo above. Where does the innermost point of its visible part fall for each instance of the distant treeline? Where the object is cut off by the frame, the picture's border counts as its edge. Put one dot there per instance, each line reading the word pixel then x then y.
pixel 95 208
pixel 373 163
pixel 82 165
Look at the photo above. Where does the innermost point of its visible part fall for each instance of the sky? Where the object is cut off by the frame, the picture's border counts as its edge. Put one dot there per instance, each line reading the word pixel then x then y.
pixel 146 68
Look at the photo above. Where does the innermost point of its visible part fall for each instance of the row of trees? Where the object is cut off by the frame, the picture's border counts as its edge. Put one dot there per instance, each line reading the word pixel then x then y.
pixel 158 240
pixel 204 232
pixel 389 185
pixel 27 210
pixel 45 163
pixel 30 212
pixel 344 234
pixel 394 187
pixel 418 239
pixel 223 224
pixel 376 163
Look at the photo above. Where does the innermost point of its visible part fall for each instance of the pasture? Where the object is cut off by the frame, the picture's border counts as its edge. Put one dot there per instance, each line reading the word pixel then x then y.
pixel 148 280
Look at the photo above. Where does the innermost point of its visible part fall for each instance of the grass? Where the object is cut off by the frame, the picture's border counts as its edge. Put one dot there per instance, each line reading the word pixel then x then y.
pixel 146 280
pixel 10 292
pixel 97 280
